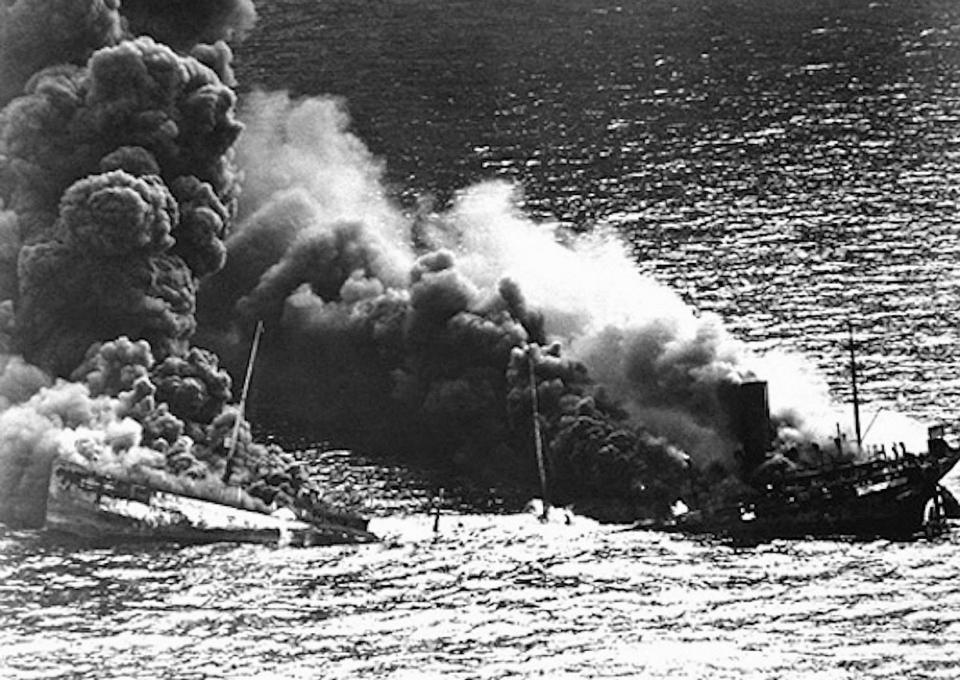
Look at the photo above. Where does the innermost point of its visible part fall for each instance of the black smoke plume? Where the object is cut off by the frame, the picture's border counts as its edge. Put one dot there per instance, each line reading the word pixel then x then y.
pixel 183 24
pixel 408 333
pixel 35 34
pixel 120 178
pixel 117 189
pixel 126 246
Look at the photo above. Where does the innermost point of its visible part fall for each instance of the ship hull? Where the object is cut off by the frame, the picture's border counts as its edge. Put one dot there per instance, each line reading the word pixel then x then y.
pixel 891 517
pixel 890 499
pixel 88 505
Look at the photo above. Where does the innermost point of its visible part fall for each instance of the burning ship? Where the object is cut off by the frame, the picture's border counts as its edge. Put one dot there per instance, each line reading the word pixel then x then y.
pixel 892 493
pixel 81 502
pixel 87 504
pixel 77 492
pixel 121 214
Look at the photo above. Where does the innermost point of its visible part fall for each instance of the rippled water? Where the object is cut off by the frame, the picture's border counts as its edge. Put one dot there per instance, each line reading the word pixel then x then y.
pixel 785 164
pixel 490 597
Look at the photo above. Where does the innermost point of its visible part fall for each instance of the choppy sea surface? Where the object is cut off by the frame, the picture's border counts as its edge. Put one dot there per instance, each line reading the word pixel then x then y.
pixel 787 165
pixel 491 597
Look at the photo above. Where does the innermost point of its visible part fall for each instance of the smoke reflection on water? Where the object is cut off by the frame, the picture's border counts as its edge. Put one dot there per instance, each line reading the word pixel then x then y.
pixel 491 596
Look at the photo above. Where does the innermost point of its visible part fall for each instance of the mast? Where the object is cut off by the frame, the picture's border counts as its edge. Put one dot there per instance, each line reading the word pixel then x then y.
pixel 235 433
pixel 856 394
pixel 537 440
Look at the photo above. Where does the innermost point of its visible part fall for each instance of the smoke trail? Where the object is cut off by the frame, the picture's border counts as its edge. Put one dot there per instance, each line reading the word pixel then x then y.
pixel 182 24
pixel 110 422
pixel 9 250
pixel 136 147
pixel 35 34
pixel 395 333
pixel 116 190
pixel 131 417
pixel 412 334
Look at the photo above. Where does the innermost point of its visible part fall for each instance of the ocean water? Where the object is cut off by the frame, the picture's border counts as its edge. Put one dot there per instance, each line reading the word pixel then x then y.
pixel 492 596
pixel 786 165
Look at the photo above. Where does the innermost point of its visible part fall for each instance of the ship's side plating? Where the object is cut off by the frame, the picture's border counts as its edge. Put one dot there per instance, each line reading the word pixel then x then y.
pixel 895 496
pixel 90 505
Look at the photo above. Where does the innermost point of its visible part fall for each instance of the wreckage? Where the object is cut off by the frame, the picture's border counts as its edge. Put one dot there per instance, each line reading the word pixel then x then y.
pixel 892 493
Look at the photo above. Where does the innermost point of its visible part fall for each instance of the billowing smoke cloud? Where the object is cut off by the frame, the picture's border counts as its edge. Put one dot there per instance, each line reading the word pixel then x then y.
pixel 182 24
pixel 35 34
pixel 121 182
pixel 419 334
pixel 9 250
pixel 411 333
pixel 396 333
pixel 127 415
pixel 117 189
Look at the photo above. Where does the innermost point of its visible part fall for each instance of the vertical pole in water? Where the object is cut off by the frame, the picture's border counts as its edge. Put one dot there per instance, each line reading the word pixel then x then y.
pixel 438 501
pixel 537 439
pixel 856 395
pixel 235 433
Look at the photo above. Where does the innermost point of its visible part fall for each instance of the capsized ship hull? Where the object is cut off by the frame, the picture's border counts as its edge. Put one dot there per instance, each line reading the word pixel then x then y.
pixel 90 505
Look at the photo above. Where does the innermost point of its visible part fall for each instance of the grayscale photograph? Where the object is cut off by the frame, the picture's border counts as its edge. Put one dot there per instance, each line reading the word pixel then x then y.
pixel 479 339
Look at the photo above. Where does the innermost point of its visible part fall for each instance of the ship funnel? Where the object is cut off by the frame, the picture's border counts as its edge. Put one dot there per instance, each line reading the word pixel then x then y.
pixel 936 444
pixel 750 421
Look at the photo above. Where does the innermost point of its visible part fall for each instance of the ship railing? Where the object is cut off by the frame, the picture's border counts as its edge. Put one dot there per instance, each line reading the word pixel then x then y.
pixel 801 488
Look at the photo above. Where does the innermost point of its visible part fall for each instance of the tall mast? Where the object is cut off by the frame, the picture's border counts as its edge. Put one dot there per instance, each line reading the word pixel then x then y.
pixel 856 394
pixel 537 440
pixel 235 433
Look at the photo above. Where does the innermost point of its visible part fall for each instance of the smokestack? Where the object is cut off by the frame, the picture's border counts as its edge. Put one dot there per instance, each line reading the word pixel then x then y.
pixel 936 444
pixel 750 420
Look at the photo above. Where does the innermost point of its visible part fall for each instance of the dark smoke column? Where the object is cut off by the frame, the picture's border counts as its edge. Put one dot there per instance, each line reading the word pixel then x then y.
pixel 185 23
pixel 35 34
pixel 117 188
pixel 119 177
